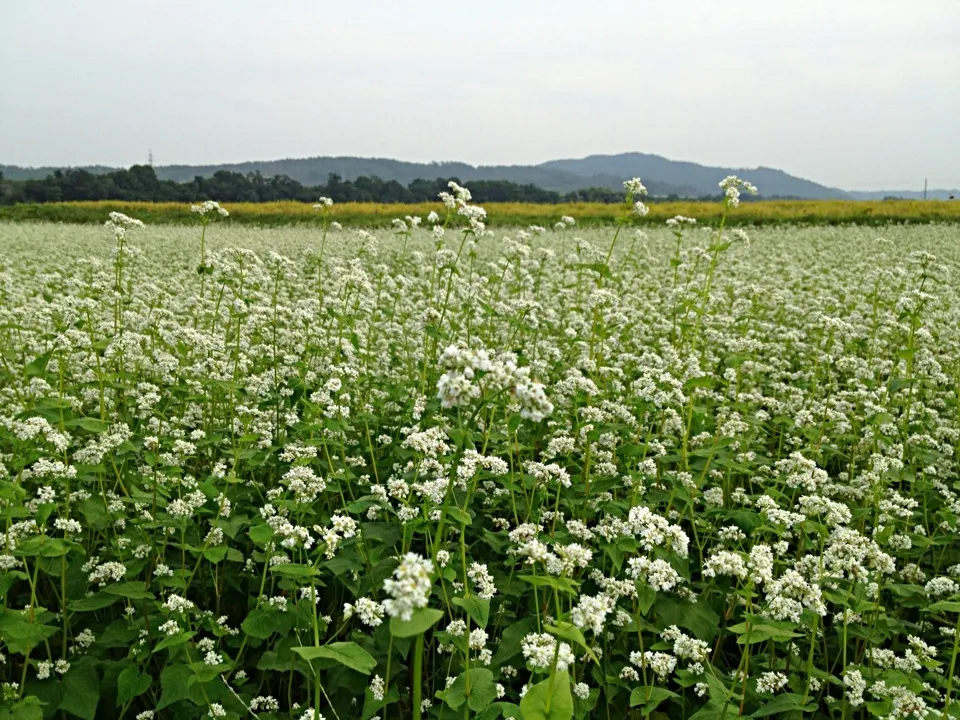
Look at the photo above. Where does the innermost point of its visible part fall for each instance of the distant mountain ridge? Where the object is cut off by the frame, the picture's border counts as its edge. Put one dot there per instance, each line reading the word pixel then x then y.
pixel 932 194
pixel 661 175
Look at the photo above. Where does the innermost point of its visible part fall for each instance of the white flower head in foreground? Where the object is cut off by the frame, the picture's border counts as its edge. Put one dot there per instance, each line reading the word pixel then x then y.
pixel 634 187
pixel 209 206
pixel 409 589
pixel 731 186
pixel 322 203
pixel 539 650
pixel 118 218
pixel 118 224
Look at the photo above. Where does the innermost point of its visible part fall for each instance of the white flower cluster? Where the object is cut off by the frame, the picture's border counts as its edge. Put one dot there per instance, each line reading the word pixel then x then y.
pixel 466 371
pixel 409 588
pixel 731 186
pixel 539 650
pixel 209 206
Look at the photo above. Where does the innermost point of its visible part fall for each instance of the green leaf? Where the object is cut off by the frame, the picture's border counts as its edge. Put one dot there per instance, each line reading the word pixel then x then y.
pixel 94 602
pixel 38 365
pixel 130 590
pixel 646 597
pixel 294 570
pixel 215 554
pixel 260 534
pixel 568 631
pixel 699 618
pixel 174 640
pixel 91 424
pixel 783 704
pixel 80 689
pixel 943 606
pixel 30 708
pixel 477 608
pixel 650 697
pixel 760 632
pixel 422 620
pixel 548 700
pixel 483 690
pixel 130 684
pixel 460 516
pixel 562 584
pixel 44 546
pixel 262 623
pixel 704 381
pixel 716 710
pixel 173 684
pixel 600 268
pixel 19 634
pixel 345 653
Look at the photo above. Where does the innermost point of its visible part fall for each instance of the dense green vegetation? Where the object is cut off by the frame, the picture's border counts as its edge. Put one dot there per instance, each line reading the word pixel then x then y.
pixel 140 183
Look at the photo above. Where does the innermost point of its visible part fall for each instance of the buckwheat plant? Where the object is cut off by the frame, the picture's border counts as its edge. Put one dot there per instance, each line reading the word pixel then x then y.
pixel 462 470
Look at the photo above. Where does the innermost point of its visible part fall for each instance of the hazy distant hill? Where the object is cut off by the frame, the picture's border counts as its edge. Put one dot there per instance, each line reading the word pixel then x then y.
pixel 937 194
pixel 701 178
pixel 15 172
pixel 660 175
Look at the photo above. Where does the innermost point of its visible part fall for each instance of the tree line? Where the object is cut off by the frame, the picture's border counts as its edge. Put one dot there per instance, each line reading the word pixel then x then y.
pixel 140 183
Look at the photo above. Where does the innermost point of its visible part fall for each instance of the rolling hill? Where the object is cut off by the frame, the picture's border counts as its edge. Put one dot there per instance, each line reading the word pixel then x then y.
pixel 661 175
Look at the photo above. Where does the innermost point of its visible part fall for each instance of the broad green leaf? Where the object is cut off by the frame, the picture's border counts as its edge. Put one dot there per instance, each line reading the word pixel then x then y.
pixel 91 424
pixel 460 516
pixel 345 653
pixel 215 554
pixel 174 640
pixel 294 570
pixel 38 365
pixel 43 546
pixel 568 631
pixel 80 689
pixel 130 684
pixel 174 684
pixel 30 708
pixel 548 700
pixel 262 623
pixel 784 704
pixel 716 710
pixel 951 606
pixel 646 597
pixel 94 602
pixel 130 590
pixel 760 632
pixel 19 634
pixel 699 618
pixel 650 697
pixel 477 608
pixel 260 534
pixel 483 690
pixel 562 584
pixel 422 620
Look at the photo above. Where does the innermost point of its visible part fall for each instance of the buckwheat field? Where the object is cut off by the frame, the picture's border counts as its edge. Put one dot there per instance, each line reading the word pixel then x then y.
pixel 446 472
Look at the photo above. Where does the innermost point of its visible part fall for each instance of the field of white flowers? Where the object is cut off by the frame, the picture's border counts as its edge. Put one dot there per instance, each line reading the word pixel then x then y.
pixel 443 473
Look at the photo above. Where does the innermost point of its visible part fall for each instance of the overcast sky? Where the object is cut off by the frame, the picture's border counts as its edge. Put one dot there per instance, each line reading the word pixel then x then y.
pixel 859 94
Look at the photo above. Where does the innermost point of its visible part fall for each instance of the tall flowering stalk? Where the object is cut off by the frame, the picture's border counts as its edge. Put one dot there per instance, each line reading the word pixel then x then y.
pixel 207 210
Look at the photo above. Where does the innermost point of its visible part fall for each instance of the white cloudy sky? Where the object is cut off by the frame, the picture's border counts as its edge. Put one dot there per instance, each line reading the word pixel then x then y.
pixel 853 93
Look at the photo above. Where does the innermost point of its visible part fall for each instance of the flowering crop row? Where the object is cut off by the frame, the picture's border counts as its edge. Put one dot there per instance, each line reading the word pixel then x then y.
pixel 443 472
